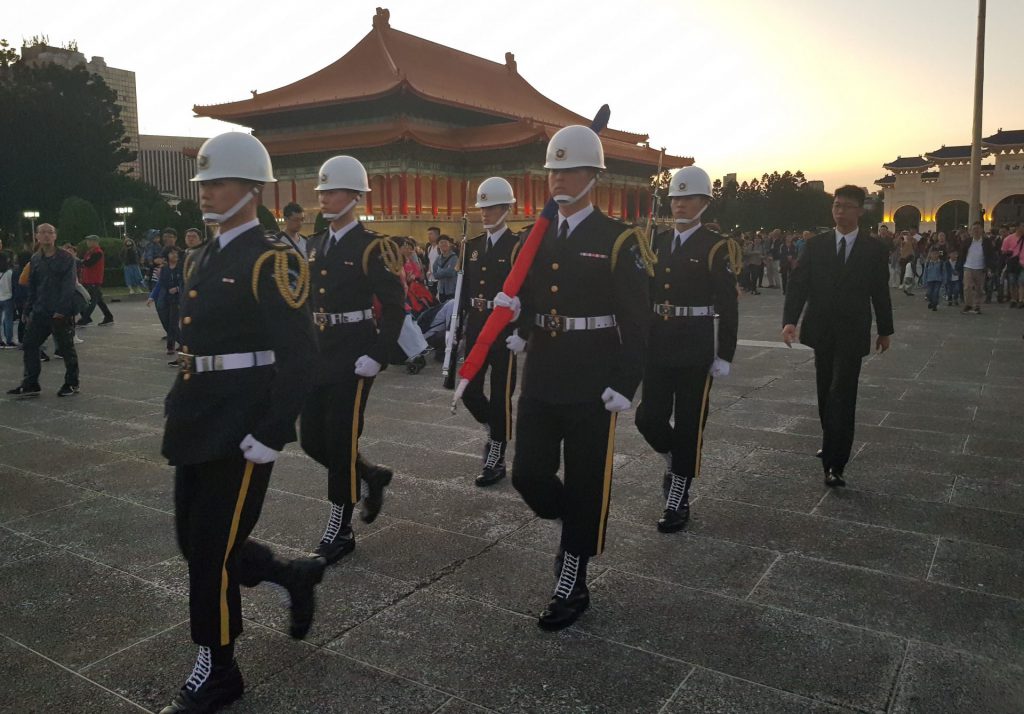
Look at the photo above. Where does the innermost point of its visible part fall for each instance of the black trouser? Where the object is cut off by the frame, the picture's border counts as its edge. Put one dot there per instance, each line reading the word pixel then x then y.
pixel 96 299
pixel 682 395
pixel 63 332
pixel 216 506
pixel 586 432
pixel 496 411
pixel 330 427
pixel 168 312
pixel 838 374
pixel 784 271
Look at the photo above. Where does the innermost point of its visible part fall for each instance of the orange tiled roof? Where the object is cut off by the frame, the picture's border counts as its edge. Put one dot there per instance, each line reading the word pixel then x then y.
pixel 387 60
pixel 479 138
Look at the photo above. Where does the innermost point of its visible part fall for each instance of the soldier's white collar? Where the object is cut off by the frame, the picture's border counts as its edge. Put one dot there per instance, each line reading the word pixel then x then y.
pixel 340 233
pixel 681 236
pixel 576 218
pixel 492 238
pixel 230 234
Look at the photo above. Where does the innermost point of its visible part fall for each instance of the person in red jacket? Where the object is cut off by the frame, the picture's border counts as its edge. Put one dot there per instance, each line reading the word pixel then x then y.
pixel 92 280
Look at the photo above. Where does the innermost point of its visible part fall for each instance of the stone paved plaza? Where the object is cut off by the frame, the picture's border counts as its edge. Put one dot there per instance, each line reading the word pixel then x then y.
pixel 903 592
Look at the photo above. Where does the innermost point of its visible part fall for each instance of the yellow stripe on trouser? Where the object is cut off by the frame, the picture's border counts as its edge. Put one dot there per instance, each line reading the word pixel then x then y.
pixel 508 398
pixel 700 425
pixel 606 493
pixel 225 615
pixel 353 475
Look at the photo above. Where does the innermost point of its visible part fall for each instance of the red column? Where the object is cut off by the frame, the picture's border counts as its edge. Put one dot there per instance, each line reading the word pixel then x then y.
pixel 611 195
pixel 448 191
pixel 369 199
pixel 294 199
pixel 433 195
pixel 403 194
pixel 518 195
pixel 544 190
pixel 623 203
pixel 527 196
pixel 463 187
pixel 636 203
pixel 418 188
pixel 277 201
pixel 387 195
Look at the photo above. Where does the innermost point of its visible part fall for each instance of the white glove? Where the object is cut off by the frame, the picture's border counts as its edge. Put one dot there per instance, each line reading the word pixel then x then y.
pixel 515 343
pixel 256 452
pixel 367 366
pixel 613 401
pixel 719 368
pixel 512 303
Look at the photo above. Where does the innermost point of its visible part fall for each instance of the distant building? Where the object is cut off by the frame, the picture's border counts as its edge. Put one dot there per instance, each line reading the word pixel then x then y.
pixel 815 186
pixel 169 162
pixel 122 81
pixel 728 179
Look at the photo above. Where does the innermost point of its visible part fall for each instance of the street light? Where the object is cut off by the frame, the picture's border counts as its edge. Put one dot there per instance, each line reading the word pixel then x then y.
pixel 124 211
pixel 32 216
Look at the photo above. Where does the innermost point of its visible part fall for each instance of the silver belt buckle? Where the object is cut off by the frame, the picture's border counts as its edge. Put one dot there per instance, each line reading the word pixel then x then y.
pixel 554 322
pixel 319 318
pixel 665 310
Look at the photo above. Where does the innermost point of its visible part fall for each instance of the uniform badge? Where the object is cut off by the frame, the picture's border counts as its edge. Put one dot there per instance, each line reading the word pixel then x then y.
pixel 638 259
pixel 475 255
pixel 230 281
pixel 203 161
pixel 560 154
pixel 323 177
pixel 682 185
pixel 348 262
pixel 312 256
pixel 483 196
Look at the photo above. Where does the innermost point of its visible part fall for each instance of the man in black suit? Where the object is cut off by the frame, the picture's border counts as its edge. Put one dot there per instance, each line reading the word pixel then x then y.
pixel 840 276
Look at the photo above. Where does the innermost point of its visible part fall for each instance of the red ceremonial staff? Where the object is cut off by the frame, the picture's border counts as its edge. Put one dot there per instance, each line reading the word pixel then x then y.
pixel 501 316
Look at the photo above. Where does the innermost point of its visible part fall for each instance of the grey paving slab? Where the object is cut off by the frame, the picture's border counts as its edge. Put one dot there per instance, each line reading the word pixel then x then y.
pixel 958 522
pixel 930 612
pixel 298 522
pixel 707 692
pixel 414 553
pixel 145 447
pixel 150 672
pixel 110 531
pixel 35 684
pixel 76 612
pixel 995 494
pixel 882 456
pixel 132 480
pixel 814 536
pixel 459 706
pixel 22 494
pixel 486 656
pixel 937 681
pixel 791 493
pixel 10 437
pixel 980 567
pixel 825 661
pixel 901 481
pixel 15 547
pixel 50 457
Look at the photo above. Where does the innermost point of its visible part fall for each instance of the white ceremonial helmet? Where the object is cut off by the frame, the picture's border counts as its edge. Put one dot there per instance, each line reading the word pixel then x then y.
pixel 690 181
pixel 343 172
pixel 573 147
pixel 494 191
pixel 234 155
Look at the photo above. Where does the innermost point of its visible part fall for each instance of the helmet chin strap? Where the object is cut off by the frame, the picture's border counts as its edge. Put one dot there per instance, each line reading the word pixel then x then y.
pixel 500 222
pixel 342 212
pixel 564 200
pixel 227 215
pixel 691 221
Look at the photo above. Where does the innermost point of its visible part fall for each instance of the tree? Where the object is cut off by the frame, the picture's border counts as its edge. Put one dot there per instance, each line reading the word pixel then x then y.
pixel 78 218
pixel 8 55
pixel 266 218
pixel 62 136
pixel 189 215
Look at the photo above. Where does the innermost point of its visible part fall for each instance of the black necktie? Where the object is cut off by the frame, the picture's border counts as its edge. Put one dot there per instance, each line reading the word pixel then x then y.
pixel 210 252
pixel 677 243
pixel 842 251
pixel 333 241
pixel 563 231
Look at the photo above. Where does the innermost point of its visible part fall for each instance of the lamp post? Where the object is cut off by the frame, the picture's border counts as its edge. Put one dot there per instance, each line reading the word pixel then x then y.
pixel 124 212
pixel 32 216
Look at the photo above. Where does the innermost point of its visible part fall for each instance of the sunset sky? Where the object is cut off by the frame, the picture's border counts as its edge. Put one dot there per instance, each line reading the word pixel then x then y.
pixel 832 88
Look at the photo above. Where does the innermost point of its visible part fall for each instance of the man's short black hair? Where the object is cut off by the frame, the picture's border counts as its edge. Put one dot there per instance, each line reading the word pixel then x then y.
pixel 434 228
pixel 291 209
pixel 444 237
pixel 854 193
pixel 194 230
pixel 169 231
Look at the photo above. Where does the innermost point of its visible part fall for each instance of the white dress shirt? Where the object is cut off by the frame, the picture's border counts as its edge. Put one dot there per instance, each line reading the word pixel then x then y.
pixel 576 218
pixel 851 238
pixel 680 236
pixel 229 235
pixel 337 235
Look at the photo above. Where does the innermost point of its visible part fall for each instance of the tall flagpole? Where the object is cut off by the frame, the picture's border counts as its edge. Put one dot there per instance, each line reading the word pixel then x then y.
pixel 979 92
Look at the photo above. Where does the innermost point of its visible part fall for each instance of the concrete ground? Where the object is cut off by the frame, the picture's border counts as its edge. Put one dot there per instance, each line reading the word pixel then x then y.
pixel 903 592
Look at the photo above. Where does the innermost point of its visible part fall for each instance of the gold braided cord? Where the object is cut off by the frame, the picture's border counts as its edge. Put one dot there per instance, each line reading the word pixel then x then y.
pixel 294 298
pixel 388 252
pixel 734 250
pixel 189 267
pixel 648 256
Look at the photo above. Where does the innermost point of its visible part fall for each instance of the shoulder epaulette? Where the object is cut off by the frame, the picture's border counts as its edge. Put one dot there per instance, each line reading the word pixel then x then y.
pixel 646 255
pixel 295 296
pixel 734 252
pixel 188 267
pixel 388 253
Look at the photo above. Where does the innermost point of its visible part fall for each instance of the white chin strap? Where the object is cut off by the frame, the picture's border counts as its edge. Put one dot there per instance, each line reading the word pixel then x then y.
pixel 500 222
pixel 226 216
pixel 564 200
pixel 342 212
pixel 691 221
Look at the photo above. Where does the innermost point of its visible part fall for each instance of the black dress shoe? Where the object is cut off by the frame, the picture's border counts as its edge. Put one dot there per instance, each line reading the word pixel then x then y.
pixel 333 551
pixel 490 476
pixel 672 520
pixel 834 478
pixel 562 612
pixel 376 479
pixel 24 391
pixel 819 454
pixel 67 390
pixel 305 575
pixel 223 686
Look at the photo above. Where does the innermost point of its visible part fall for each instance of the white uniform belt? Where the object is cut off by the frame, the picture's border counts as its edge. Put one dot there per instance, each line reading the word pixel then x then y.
pixel 561 323
pixel 481 304
pixel 684 310
pixel 219 363
pixel 342 318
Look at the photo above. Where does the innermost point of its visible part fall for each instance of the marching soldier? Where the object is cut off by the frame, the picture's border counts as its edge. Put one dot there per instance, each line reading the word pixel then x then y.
pixel 487 259
pixel 349 266
pixel 585 307
pixel 693 283
pixel 246 360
